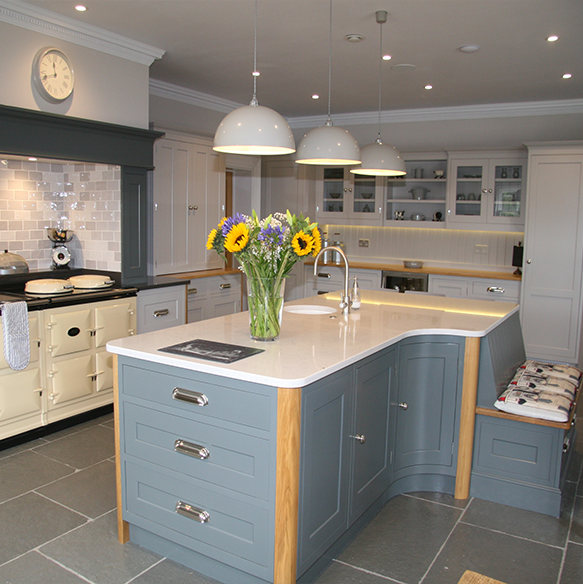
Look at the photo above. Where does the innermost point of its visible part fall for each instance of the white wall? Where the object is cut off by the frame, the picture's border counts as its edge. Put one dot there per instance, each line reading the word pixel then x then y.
pixel 107 88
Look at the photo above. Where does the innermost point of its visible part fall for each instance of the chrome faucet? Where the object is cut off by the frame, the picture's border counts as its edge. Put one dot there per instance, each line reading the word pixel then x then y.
pixel 345 297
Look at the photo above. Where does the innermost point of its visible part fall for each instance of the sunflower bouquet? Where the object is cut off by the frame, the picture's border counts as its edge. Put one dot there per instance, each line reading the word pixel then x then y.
pixel 266 250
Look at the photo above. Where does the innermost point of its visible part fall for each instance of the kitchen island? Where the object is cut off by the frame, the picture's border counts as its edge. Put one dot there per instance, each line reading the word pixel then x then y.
pixel 251 471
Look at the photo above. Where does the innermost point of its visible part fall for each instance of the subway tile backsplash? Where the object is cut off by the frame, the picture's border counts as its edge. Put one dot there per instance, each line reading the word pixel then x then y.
pixel 436 247
pixel 83 198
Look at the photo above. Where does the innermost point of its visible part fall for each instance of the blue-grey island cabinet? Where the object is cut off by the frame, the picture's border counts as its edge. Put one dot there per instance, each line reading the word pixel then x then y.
pixel 252 472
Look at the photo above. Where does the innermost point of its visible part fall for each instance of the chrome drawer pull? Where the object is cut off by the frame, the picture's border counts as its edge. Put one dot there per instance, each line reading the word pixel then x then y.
pixel 323 275
pixel 190 449
pixel 192 512
pixel 225 286
pixel 191 397
pixel 360 438
pixel 495 289
pixel 403 405
pixel 163 312
pixel 566 445
pixel 192 291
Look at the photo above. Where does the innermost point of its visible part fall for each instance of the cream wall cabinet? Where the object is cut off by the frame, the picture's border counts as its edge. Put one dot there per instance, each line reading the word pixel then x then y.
pixel 551 292
pixel 421 192
pixel 486 190
pixel 343 197
pixel 214 296
pixel 287 185
pixel 160 308
pixel 188 201
pixel 476 288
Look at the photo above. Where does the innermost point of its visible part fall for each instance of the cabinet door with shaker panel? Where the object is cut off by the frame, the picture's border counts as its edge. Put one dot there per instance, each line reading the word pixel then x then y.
pixel 486 190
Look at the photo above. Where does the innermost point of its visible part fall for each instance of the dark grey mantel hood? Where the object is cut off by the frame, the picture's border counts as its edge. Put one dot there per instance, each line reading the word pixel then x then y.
pixel 27 132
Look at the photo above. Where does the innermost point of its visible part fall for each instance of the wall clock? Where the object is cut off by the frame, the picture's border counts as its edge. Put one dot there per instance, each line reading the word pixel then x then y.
pixel 52 75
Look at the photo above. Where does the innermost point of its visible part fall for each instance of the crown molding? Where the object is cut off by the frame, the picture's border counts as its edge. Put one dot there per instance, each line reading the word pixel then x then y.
pixel 437 114
pixel 192 97
pixel 71 30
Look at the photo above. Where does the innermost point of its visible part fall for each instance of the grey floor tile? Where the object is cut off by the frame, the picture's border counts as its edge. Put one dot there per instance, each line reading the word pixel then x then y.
pixel 573 567
pixel 442 498
pixel 577 523
pixel 21 448
pixel 526 524
pixel 169 572
pixel 34 568
pixel 574 470
pixel 26 471
pixel 339 573
pixel 403 539
pixel 83 449
pixel 79 428
pixel 94 552
pixel 90 491
pixel 503 557
pixel 32 520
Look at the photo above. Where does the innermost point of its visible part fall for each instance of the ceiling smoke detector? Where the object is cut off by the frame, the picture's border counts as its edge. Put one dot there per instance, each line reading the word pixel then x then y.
pixel 353 38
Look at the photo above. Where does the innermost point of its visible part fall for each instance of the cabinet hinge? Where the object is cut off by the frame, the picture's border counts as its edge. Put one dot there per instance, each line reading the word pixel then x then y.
pixel 452 447
pixel 391 458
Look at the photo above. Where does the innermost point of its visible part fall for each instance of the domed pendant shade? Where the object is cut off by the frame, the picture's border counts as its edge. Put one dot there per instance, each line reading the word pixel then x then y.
pixel 380 159
pixel 328 145
pixel 254 130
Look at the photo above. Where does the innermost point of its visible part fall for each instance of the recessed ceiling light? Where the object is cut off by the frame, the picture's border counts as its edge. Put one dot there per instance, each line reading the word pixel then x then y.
pixel 315 96
pixel 387 57
pixel 552 38
pixel 353 38
pixel 469 48
pixel 80 8
pixel 429 87
pixel 567 76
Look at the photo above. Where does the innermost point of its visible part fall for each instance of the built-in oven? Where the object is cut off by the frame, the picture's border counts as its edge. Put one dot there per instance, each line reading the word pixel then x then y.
pixel 402 281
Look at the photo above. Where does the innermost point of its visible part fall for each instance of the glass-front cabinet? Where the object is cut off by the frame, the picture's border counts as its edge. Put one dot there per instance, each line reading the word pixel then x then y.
pixel 417 199
pixel 343 196
pixel 486 189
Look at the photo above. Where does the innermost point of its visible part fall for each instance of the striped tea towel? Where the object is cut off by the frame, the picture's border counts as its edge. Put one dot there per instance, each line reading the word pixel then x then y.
pixel 16 334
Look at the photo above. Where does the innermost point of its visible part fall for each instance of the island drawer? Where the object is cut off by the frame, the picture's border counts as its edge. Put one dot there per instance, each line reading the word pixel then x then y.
pixel 234 460
pixel 202 519
pixel 196 394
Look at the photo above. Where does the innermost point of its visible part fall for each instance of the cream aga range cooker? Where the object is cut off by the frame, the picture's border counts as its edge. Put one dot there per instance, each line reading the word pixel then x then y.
pixel 71 318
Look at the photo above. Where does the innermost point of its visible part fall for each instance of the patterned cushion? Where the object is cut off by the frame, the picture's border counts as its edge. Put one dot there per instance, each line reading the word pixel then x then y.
pixel 541 390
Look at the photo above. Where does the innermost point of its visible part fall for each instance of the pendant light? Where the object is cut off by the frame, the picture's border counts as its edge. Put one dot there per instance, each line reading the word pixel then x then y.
pixel 380 159
pixel 328 145
pixel 254 129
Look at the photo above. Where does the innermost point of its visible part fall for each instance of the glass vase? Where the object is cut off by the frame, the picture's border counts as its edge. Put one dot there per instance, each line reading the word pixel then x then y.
pixel 265 298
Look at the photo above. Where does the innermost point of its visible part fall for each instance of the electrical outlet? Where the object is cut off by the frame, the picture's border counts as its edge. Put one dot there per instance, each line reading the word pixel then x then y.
pixel 479 248
pixel 363 242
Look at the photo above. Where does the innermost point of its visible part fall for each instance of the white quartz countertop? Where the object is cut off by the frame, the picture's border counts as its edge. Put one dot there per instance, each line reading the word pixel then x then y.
pixel 313 346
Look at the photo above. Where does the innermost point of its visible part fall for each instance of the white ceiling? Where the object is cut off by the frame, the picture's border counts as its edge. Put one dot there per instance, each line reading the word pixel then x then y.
pixel 209 48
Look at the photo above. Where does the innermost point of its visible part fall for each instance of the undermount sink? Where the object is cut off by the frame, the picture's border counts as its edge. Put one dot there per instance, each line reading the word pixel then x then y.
pixel 309 309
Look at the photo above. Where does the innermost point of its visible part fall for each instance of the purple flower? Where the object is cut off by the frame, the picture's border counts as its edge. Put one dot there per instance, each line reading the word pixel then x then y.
pixel 232 221
pixel 271 234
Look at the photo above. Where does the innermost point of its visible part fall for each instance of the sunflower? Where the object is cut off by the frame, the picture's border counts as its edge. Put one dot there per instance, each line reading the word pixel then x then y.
pixel 237 238
pixel 302 243
pixel 317 242
pixel 211 239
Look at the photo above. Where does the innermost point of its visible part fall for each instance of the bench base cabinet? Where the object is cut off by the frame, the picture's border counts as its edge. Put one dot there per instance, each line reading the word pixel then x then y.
pixel 199 481
pixel 214 296
pixel 476 288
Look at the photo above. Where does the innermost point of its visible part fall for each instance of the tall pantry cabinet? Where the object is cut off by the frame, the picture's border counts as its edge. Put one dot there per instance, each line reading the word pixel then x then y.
pixel 553 256
pixel 188 201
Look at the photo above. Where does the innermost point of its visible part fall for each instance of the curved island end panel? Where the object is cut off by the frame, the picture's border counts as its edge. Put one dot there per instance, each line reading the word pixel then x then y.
pixel 251 471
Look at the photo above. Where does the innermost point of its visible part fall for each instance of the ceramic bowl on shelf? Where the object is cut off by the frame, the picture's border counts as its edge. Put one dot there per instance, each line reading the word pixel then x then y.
pixel 335 195
pixel 417 217
pixel 367 195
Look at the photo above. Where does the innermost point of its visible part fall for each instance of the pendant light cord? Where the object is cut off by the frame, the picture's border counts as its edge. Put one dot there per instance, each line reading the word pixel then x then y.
pixel 329 120
pixel 254 101
pixel 380 78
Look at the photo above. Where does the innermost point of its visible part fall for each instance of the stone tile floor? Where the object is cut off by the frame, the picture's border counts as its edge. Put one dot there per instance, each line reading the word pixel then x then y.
pixel 58 526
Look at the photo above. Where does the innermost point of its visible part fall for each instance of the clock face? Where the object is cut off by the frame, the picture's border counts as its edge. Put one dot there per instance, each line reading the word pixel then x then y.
pixel 53 75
